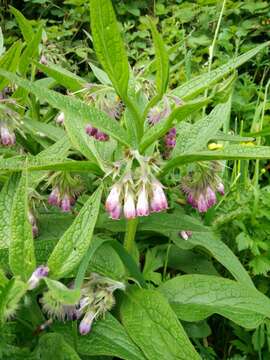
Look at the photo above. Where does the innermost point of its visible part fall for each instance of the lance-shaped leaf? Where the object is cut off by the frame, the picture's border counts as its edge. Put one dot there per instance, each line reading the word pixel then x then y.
pixel 24 24
pixel 30 52
pixel 198 84
pixel 231 152
pixel 162 65
pixel 63 77
pixel 195 297
pixel 147 315
pixel 74 243
pixel 9 61
pixel 108 44
pixel 76 108
pixel 21 249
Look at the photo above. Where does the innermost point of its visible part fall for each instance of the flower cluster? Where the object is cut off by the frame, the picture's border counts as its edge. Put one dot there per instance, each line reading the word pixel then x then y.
pixel 65 189
pixel 141 198
pixel 201 186
pixel 97 134
pixel 96 299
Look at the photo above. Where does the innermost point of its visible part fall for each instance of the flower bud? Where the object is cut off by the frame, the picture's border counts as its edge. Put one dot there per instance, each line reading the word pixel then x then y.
pixel 202 205
pixel 113 200
pixel 210 197
pixel 142 204
pixel 60 118
pixel 7 137
pixel 43 60
pixel 40 272
pixel 220 188
pixel 185 234
pixel 86 323
pixel 116 212
pixel 90 130
pixel 129 206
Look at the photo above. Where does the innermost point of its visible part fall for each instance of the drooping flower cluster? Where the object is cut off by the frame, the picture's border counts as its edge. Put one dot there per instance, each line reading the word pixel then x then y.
pixel 138 197
pixel 96 299
pixel 97 134
pixel 65 189
pixel 201 186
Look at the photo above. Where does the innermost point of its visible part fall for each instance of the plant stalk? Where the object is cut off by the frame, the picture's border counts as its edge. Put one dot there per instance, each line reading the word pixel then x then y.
pixel 130 235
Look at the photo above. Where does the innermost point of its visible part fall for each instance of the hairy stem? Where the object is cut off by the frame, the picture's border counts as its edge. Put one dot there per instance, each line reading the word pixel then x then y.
pixel 130 235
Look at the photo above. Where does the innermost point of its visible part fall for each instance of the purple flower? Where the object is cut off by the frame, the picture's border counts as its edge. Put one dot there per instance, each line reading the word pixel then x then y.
pixel 113 200
pixel 40 272
pixel 201 204
pixel 90 130
pixel 142 204
pixel 97 134
pixel 54 197
pixel 66 203
pixel 185 234
pixel 86 323
pixel 158 201
pixel 129 205
pixel 210 197
pixel 116 212
pixel 43 60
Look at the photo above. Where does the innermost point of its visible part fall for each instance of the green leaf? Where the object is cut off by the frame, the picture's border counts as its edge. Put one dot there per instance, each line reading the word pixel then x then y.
pixel 179 114
pixel 54 346
pixel 73 244
pixel 63 77
pixel 100 75
pixel 11 293
pixel 195 297
pixel 62 293
pixel 21 249
pixel 24 24
pixel 220 251
pixel 162 65
pixel 108 44
pixel 74 107
pixel 201 82
pixel 10 60
pixel 146 313
pixel 198 135
pixel 231 152
pixel 30 52
pixel 42 129
pixel 108 337
pixel 6 200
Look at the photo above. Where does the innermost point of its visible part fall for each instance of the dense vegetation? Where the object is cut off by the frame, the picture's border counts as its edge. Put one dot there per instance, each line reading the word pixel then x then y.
pixel 134 162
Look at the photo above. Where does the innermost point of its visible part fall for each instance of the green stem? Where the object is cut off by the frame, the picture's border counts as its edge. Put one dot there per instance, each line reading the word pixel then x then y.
pixel 130 235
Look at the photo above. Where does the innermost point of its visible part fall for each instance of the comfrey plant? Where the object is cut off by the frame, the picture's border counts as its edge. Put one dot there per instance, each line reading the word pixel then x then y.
pixel 135 147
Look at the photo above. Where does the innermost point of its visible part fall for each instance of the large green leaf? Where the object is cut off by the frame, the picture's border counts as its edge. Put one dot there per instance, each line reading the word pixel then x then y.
pixel 6 199
pixel 21 250
pixel 74 243
pixel 162 65
pixel 195 297
pixel 201 82
pixel 10 60
pixel 220 251
pixel 54 346
pixel 63 77
pixel 195 137
pixel 231 152
pixel 30 53
pixel 108 44
pixel 76 108
pixel 24 24
pixel 147 315
pixel 62 293
pixel 108 337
